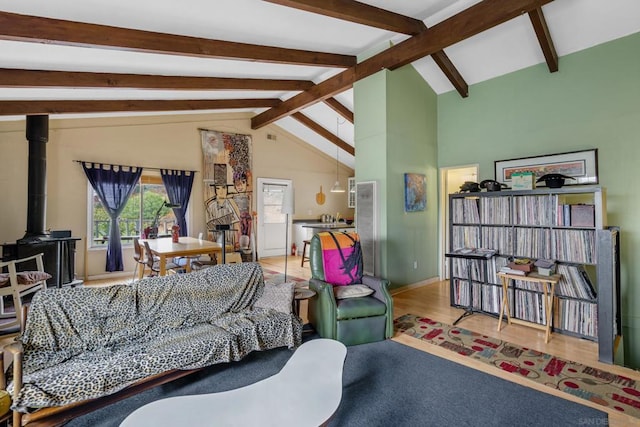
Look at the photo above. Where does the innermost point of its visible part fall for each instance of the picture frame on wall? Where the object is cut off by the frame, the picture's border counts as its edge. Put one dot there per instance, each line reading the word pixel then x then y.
pixel 415 192
pixel 581 165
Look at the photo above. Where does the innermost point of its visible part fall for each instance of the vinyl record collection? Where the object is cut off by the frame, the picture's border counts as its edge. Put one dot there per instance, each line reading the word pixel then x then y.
pixel 536 226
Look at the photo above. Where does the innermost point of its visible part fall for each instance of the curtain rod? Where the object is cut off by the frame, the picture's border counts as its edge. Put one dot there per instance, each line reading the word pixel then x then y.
pixel 222 131
pixel 129 166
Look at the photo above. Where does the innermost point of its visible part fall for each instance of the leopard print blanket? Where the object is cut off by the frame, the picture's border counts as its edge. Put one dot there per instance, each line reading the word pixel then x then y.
pixel 83 343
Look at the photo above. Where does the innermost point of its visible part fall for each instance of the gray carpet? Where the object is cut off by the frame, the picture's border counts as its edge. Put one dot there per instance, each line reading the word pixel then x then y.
pixel 387 384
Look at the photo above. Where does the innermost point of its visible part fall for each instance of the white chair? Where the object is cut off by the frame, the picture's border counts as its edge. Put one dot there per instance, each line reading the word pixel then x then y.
pixel 19 285
pixel 197 260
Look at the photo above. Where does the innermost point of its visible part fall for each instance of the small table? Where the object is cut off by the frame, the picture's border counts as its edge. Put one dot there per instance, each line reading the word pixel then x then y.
pixel 548 288
pixel 187 246
pixel 300 294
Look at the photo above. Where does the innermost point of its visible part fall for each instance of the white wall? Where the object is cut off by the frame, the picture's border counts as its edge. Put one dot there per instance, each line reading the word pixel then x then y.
pixel 164 141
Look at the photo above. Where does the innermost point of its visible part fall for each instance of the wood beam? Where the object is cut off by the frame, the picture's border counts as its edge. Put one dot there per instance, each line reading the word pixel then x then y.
pixel 544 38
pixel 319 92
pixel 324 133
pixel 70 33
pixel 10 108
pixel 360 13
pixel 471 21
pixel 451 72
pixel 40 78
pixel 339 108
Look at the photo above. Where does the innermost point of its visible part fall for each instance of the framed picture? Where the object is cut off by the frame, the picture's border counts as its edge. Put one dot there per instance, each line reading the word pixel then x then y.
pixel 415 192
pixel 581 165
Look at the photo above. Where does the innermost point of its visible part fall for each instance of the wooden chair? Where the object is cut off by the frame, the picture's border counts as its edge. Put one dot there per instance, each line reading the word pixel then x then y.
pixel 154 265
pixel 19 285
pixel 138 258
pixel 305 257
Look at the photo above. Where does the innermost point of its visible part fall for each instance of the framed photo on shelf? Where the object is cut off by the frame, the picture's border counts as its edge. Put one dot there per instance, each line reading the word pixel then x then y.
pixel 415 192
pixel 581 165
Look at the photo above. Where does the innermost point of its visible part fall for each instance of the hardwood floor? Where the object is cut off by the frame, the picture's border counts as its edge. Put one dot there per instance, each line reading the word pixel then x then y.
pixel 432 300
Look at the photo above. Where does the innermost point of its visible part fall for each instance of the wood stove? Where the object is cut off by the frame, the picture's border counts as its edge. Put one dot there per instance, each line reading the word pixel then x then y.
pixel 58 247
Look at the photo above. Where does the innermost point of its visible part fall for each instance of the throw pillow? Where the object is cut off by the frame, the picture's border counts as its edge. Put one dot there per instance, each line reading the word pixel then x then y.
pixel 352 291
pixel 277 296
pixel 31 277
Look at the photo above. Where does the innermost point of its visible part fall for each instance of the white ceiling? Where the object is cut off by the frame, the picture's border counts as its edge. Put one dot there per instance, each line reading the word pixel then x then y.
pixel 573 24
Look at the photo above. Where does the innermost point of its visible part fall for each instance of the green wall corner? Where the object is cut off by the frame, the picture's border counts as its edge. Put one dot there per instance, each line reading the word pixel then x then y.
pixel 396 134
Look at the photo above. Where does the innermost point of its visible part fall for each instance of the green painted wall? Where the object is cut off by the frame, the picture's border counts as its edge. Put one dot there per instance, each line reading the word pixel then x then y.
pixel 395 133
pixel 592 102
pixel 370 144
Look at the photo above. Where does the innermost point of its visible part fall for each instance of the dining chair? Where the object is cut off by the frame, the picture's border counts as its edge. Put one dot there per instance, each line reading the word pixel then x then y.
pixel 154 264
pixel 138 258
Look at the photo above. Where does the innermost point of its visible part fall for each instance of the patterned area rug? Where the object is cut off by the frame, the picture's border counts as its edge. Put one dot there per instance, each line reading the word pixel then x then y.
pixel 275 277
pixel 598 386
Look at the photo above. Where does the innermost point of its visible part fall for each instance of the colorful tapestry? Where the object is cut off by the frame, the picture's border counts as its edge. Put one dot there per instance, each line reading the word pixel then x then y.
pixel 341 257
pixel 228 185
pixel 593 384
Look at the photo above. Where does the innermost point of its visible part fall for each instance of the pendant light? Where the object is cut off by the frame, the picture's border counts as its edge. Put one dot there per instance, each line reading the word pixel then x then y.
pixel 337 188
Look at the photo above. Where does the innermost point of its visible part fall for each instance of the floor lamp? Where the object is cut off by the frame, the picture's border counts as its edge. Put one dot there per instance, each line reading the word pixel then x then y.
pixel 287 209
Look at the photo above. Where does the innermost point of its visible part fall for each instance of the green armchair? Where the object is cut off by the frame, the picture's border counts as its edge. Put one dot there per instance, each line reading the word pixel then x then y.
pixel 353 320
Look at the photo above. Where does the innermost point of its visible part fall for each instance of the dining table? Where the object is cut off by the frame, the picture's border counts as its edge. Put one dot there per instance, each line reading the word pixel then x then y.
pixel 165 248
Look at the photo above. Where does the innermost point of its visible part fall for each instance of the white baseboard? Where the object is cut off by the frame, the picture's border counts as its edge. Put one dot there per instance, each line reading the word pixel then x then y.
pixel 117 275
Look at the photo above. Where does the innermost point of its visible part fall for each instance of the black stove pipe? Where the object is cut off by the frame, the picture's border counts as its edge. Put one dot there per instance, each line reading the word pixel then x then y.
pixel 37 135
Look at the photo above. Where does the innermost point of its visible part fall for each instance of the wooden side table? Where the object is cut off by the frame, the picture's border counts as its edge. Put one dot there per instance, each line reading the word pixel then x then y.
pixel 299 295
pixel 548 289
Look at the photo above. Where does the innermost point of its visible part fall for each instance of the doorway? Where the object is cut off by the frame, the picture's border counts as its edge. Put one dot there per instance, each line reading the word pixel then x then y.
pixel 273 225
pixel 451 178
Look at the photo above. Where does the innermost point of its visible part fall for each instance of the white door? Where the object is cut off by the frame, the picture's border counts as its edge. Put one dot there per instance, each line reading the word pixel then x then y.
pixel 274 227
pixel 450 181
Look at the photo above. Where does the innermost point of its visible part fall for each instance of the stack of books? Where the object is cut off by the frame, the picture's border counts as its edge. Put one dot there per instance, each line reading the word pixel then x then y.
pixel 508 270
pixel 524 264
pixel 519 266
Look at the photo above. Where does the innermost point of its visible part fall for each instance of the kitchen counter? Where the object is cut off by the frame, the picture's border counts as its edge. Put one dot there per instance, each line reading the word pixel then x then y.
pixel 328 225
pixel 304 230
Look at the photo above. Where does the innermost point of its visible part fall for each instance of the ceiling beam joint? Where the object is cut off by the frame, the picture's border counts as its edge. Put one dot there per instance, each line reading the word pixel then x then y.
pixel 474 20
pixel 544 38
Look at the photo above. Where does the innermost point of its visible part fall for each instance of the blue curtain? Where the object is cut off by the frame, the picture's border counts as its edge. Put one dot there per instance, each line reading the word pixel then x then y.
pixel 178 185
pixel 113 185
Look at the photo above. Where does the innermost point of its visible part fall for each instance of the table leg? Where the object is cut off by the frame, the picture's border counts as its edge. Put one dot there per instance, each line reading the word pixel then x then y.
pixel 505 301
pixel 142 266
pixel 163 265
pixel 548 299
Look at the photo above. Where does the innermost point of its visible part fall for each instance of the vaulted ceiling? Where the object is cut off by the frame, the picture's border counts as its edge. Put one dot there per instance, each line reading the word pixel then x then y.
pixel 291 62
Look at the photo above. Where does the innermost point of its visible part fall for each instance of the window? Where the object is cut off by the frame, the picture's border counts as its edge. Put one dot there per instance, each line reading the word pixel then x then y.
pixel 141 208
pixel 273 199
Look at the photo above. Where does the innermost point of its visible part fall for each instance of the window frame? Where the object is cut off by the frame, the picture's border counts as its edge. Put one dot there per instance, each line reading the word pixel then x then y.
pixel 148 178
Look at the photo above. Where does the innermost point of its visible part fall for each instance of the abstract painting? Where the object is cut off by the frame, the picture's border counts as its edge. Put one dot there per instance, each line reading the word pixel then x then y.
pixel 415 192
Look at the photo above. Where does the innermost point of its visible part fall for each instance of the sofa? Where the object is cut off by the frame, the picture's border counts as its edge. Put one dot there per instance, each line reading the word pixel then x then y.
pixel 82 344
